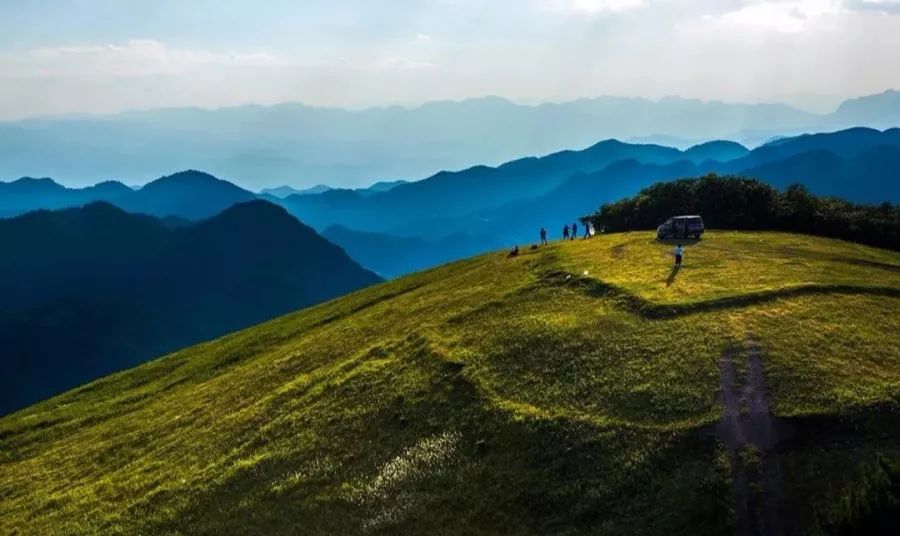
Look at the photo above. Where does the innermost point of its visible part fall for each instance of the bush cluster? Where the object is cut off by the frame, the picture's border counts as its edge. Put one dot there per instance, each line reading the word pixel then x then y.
pixel 729 202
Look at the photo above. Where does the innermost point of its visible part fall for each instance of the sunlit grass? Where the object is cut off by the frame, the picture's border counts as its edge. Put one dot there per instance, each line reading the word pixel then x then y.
pixel 491 395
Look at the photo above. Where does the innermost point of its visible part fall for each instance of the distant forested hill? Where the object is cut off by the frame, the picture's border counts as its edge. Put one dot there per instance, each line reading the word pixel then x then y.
pixel 187 194
pixel 91 290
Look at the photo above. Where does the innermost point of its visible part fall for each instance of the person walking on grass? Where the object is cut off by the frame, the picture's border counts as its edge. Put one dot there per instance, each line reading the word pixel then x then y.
pixel 574 230
pixel 543 236
pixel 566 232
pixel 679 253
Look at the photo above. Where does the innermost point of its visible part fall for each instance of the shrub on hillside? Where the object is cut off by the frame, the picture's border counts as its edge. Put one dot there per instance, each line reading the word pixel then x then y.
pixel 742 203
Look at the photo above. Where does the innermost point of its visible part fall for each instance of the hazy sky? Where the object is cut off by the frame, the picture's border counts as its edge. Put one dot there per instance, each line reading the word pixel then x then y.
pixel 71 56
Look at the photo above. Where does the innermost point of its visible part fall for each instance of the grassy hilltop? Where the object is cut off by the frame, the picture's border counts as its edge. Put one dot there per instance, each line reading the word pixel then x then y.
pixel 580 388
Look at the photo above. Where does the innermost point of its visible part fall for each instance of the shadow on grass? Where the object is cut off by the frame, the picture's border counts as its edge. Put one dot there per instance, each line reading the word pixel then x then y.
pixel 867 263
pixel 364 305
pixel 673 274
pixel 676 241
pixel 651 310
pixel 537 469
pixel 860 449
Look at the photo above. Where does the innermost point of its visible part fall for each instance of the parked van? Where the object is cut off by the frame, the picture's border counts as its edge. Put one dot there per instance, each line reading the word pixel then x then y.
pixel 680 227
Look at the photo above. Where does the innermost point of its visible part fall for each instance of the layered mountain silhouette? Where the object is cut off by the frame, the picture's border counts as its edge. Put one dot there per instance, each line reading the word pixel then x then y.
pixel 95 289
pixel 878 111
pixel 284 191
pixel 431 203
pixel 397 227
pixel 575 181
pixel 27 194
pixel 861 165
pixel 872 175
pixel 392 256
pixel 261 146
pixel 718 150
pixel 507 205
pixel 384 186
pixel 846 143
pixel 187 194
pixel 580 195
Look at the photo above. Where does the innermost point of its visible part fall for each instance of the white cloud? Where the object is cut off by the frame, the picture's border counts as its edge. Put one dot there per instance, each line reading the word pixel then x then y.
pixel 592 6
pixel 528 50
pixel 791 16
pixel 135 58
pixel 402 64
pixel 606 5
pixel 886 6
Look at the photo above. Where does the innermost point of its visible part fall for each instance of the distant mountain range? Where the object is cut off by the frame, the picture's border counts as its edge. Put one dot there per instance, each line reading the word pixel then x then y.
pixel 384 186
pixel 284 191
pixel 90 290
pixel 484 200
pixel 426 207
pixel 265 146
pixel 860 165
pixel 401 227
pixel 878 111
pixel 188 194
pixel 392 256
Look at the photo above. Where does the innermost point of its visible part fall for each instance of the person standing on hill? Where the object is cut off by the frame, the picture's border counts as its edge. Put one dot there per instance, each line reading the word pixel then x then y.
pixel 574 230
pixel 679 253
pixel 565 232
pixel 543 236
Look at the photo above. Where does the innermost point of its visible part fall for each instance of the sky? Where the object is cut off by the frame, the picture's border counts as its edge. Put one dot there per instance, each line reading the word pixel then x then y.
pixel 104 56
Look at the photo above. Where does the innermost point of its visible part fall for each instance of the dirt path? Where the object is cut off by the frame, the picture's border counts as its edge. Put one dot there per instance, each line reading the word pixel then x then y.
pixel 747 429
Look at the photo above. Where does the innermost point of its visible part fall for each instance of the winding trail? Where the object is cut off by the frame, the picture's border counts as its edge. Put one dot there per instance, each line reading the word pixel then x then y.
pixel 747 429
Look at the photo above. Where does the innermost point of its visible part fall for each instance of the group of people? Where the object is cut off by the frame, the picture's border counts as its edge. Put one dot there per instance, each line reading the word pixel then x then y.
pixel 570 233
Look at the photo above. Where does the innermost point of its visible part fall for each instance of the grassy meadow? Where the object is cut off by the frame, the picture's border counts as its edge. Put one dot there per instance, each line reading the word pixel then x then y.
pixel 571 389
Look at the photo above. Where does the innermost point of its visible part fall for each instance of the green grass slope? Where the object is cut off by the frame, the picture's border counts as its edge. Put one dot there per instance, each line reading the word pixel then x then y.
pixel 573 389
